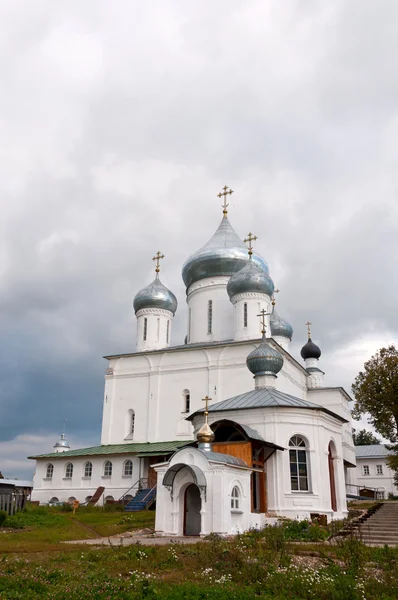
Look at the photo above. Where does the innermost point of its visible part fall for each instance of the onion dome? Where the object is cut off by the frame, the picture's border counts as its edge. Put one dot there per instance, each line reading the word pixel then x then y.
pixel 62 443
pixel 155 295
pixel 250 279
pixel 280 327
pixel 264 360
pixel 223 255
pixel 310 350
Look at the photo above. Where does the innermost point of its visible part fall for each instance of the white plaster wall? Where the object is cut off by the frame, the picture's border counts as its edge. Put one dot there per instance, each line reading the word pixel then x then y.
pixel 152 384
pixel 156 337
pixel 278 425
pixel 198 295
pixel 385 482
pixel 255 303
pixel 79 486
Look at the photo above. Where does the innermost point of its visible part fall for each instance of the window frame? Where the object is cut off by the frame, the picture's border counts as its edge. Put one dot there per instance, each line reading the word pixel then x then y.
pixel 88 466
pixel 49 467
pixel 365 470
pixel 107 472
pixel 68 470
pixel 235 498
pixel 298 446
pixel 209 317
pixel 379 469
pixel 126 463
pixel 245 315
pixel 145 330
pixel 168 331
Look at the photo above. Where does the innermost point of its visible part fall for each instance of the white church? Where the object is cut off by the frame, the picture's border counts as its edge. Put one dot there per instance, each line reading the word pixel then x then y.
pixel 227 431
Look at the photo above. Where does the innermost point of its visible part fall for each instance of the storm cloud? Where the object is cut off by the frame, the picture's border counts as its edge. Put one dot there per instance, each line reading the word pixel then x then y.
pixel 121 121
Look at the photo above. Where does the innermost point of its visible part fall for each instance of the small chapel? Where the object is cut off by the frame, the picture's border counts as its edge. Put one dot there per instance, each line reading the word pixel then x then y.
pixel 225 431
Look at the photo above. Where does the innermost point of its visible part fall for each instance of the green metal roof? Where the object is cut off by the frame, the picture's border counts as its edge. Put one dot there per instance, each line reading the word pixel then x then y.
pixel 145 449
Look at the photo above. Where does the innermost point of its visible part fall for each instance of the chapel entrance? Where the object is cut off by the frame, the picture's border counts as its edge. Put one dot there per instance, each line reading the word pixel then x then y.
pixel 192 506
pixel 332 480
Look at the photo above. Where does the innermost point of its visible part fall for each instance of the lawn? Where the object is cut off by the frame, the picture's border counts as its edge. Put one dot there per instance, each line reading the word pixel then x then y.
pixel 263 564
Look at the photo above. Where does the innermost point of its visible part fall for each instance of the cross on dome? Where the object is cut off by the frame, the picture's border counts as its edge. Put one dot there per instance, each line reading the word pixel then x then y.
pixel 158 256
pixel 263 314
pixel 309 329
pixel 225 193
pixel 250 238
pixel 273 297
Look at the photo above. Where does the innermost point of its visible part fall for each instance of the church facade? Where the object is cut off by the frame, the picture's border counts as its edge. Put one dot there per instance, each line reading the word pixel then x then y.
pixel 270 441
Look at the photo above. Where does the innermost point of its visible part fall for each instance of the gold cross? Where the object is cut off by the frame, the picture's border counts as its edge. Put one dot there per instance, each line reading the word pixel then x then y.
pixel 309 329
pixel 206 399
pixel 273 297
pixel 250 238
pixel 158 256
pixel 225 193
pixel 263 314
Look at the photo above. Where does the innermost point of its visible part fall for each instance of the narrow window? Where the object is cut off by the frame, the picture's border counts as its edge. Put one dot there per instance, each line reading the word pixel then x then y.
pixel 210 316
pixel 108 469
pixel 167 332
pixel 158 329
pixel 189 324
pixel 235 497
pixel 187 402
pixel 245 314
pixel 298 464
pixel 69 471
pixel 132 422
pixel 145 328
pixel 128 468
pixel 49 471
pixel 379 469
pixel 88 469
pixel 366 470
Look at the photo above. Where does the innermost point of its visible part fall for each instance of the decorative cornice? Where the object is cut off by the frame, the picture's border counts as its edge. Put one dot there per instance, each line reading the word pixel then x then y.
pixel 155 312
pixel 249 295
pixel 206 283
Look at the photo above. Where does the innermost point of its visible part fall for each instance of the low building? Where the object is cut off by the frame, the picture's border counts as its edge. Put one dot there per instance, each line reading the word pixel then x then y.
pixel 372 476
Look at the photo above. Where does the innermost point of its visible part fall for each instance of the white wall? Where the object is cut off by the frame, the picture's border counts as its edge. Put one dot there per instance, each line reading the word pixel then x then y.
pixel 156 330
pixel 198 295
pixel 384 482
pixel 255 303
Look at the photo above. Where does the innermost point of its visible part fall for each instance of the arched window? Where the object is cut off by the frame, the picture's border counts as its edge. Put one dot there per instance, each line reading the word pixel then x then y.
pixel 87 499
pixel 69 471
pixel 145 333
pixel 88 469
pixel 54 500
pixel 109 500
pixel 298 464
pixel 245 314
pixel 108 469
pixel 210 316
pixel 71 500
pixel 186 401
pixel 235 498
pixel 132 422
pixel 128 468
pixel 50 471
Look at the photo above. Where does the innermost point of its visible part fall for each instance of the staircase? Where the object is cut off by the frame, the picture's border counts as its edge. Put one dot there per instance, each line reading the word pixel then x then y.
pixel 381 527
pixel 142 500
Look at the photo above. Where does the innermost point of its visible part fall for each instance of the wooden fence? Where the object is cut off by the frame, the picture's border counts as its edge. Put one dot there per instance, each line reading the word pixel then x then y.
pixel 11 502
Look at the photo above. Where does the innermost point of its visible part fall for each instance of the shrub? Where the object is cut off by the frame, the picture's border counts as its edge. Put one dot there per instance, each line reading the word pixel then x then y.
pixel 3 517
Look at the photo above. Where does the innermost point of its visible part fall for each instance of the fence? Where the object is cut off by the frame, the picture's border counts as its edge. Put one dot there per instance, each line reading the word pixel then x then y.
pixel 11 502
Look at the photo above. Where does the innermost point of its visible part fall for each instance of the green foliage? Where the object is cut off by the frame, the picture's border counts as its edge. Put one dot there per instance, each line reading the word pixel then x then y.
pixel 37 517
pixel 376 392
pixel 364 438
pixel 3 517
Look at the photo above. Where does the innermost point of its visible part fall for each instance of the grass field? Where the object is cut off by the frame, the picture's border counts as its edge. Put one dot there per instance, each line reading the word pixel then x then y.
pixel 265 565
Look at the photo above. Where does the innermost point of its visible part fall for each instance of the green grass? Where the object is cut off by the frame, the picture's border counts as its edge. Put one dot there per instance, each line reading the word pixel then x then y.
pixel 259 564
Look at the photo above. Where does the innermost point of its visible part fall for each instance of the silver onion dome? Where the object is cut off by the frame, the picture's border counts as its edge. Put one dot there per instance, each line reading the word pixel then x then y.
pixel 280 327
pixel 223 255
pixel 155 295
pixel 264 360
pixel 62 443
pixel 250 279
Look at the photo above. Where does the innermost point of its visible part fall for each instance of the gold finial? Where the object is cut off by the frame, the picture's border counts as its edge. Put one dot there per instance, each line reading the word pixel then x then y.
pixel 273 297
pixel 250 238
pixel 263 314
pixel 205 433
pixel 225 193
pixel 309 329
pixel 158 256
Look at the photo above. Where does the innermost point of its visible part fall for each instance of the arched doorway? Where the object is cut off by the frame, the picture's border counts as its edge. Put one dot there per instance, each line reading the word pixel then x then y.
pixel 192 506
pixel 332 480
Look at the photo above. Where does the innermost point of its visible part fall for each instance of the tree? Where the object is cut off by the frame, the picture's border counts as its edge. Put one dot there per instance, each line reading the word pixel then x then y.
pixel 364 438
pixel 376 392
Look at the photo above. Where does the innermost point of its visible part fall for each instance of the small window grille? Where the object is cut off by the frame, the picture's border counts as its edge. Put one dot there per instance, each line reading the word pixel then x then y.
pixel 210 317
pixel 167 332
pixel 69 471
pixel 49 471
pixel 132 422
pixel 108 469
pixel 88 469
pixel 145 329
pixel 128 468
pixel 379 469
pixel 235 498
pixel 245 314
pixel 366 470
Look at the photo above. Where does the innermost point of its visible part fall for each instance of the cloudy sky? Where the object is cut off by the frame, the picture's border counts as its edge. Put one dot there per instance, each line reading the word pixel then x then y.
pixel 119 123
